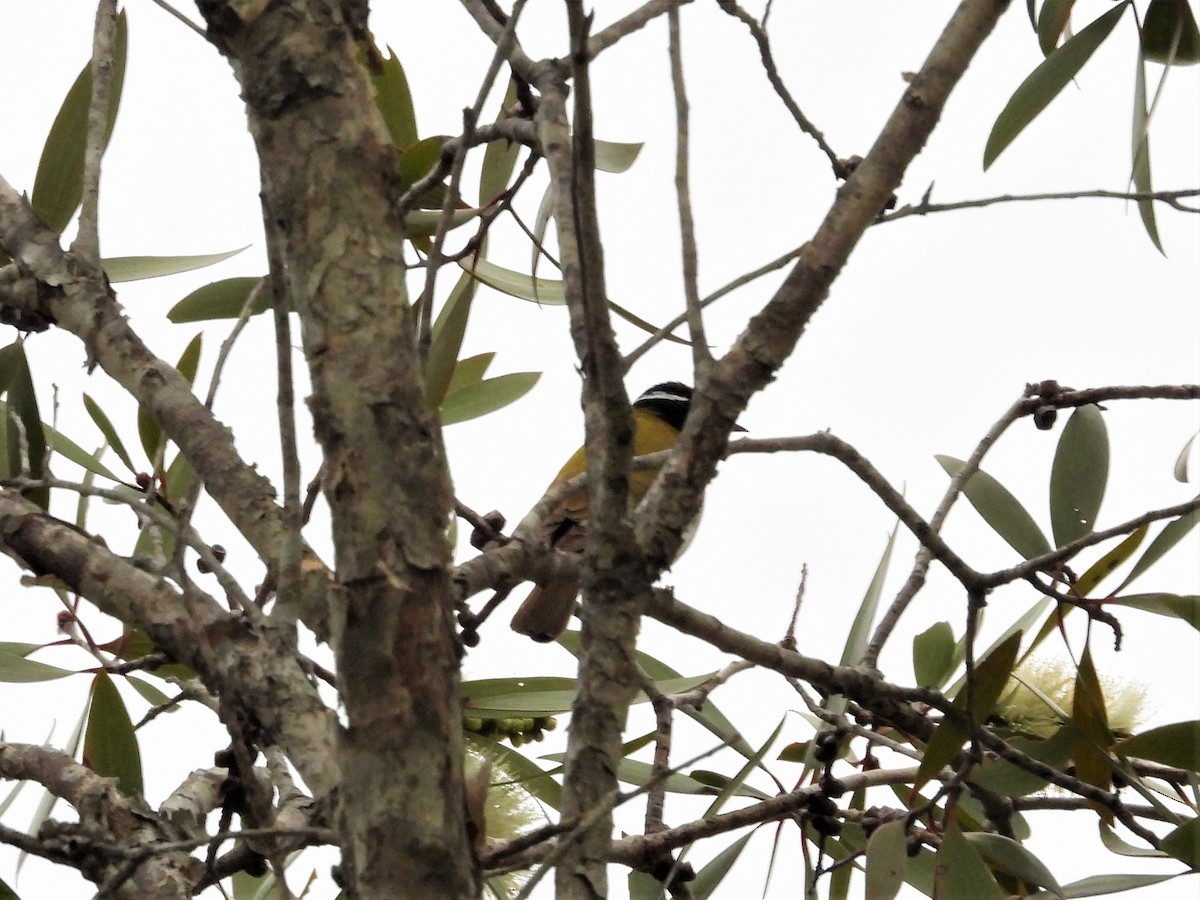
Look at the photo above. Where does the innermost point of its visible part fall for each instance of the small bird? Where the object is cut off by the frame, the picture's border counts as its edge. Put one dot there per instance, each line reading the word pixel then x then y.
pixel 658 417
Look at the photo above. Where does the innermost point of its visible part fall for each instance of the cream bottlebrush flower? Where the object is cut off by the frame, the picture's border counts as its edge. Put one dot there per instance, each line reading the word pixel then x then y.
pixel 1042 698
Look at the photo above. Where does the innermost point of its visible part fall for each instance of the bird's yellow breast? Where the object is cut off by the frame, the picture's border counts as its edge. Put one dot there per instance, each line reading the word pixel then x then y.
pixel 650 434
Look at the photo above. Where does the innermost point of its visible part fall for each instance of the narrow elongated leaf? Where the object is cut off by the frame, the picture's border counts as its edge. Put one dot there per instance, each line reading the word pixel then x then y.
pixel 615 157
pixel 1046 82
pixel 106 428
pixel 991 678
pixel 1092 735
pixel 1104 885
pixel 1079 475
pixel 1008 856
pixel 1177 744
pixel 1001 510
pixel 16 669
pixel 1177 606
pixel 960 872
pixel 500 698
pixel 149 692
pixel 394 100
pixel 109 745
pixel 1115 844
pixel 447 337
pixel 487 396
pixel 546 291
pixel 1106 564
pixel 1050 23
pixel 933 655
pixel 1140 141
pixel 149 431
pixel 710 877
pixel 1184 843
pixel 67 448
pixel 58 185
pixel 528 774
pixel 500 157
pixel 860 630
pixel 6 892
pixel 25 437
pixel 1169 33
pixel 136 268
pixel 1181 462
pixel 1171 535
pixel 710 716
pixel 470 370
pixel 223 299
pixel 887 860
pixel 1006 779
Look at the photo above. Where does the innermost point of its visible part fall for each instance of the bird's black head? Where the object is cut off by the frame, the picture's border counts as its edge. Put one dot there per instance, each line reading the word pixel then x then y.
pixel 670 401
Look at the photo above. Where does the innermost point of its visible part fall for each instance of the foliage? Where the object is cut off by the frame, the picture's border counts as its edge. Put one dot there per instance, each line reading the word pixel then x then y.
pixel 994 732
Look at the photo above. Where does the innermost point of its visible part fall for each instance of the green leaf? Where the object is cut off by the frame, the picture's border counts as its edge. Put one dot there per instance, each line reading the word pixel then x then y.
pixel 1004 778
pixel 546 291
pixel 1184 843
pixel 860 630
pixel 991 677
pixel 1177 744
pixel 503 698
pixel 136 268
pixel 1177 606
pixel 470 370
pixel 58 185
pixel 709 716
pixel 394 100
pixel 68 449
pixel 1001 510
pixel 500 157
pixel 416 161
pixel 1109 562
pixel 709 878
pixel 616 157
pixel 150 693
pixel 223 299
pixel 425 222
pixel 1103 885
pixel 110 434
pixel 7 893
pixel 1169 33
pixel 26 442
pixel 648 327
pixel 1092 735
pixel 16 669
pixel 1008 856
pixel 528 774
pixel 109 745
pixel 447 337
pixel 1050 23
pixel 151 434
pixel 1181 462
pixel 933 655
pixel 1115 844
pixel 960 872
pixel 1046 82
pixel 887 860
pixel 487 396
pixel 1079 475
pixel 1140 140
pixel 1171 535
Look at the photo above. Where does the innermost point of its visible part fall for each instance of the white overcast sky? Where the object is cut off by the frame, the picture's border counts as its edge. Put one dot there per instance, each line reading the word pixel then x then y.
pixel 933 329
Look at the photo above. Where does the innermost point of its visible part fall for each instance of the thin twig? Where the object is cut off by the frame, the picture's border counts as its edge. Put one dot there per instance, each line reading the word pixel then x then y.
pixel 916 578
pixel 741 281
pixel 924 207
pixel 87 241
pixel 768 62
pixel 701 356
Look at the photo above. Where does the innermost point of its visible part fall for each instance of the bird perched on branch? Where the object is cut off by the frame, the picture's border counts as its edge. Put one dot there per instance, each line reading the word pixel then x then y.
pixel 658 417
